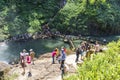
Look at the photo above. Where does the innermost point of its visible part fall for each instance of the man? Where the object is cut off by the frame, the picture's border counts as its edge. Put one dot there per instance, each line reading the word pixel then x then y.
pixel 32 54
pixel 97 47
pixel 77 54
pixel 22 60
pixel 63 56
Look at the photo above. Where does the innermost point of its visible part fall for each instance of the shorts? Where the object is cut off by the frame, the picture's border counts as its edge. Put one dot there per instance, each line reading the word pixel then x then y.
pixel 83 53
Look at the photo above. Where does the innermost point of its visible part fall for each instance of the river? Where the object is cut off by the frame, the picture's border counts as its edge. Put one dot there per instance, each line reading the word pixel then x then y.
pixel 11 50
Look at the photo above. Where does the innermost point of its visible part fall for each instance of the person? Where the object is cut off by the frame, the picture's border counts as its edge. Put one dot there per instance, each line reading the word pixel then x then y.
pixel 28 60
pixel 62 66
pixel 64 69
pixel 63 56
pixel 77 54
pixel 104 41
pixel 64 48
pixel 89 52
pixel 22 60
pixel 59 58
pixel 83 50
pixel 53 56
pixel 57 53
pixel 32 54
pixel 97 47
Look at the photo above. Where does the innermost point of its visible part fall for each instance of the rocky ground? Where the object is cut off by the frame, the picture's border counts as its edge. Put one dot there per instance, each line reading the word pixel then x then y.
pixel 43 69
pixel 4 69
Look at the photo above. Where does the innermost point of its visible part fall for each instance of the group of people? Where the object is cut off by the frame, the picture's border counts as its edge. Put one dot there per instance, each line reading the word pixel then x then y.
pixel 85 50
pixel 26 59
pixel 60 56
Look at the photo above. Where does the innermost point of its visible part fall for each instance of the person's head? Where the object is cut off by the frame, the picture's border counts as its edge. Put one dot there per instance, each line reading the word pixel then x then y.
pixel 62 50
pixel 55 49
pixel 96 42
pixel 24 50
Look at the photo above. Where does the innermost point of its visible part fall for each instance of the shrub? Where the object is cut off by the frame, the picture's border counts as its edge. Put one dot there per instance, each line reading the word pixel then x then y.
pixel 104 66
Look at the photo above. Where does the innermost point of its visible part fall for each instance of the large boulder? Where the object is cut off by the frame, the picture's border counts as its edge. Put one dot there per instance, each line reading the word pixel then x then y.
pixel 4 68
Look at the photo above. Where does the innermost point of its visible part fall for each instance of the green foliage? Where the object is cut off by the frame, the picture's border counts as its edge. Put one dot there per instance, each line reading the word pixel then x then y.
pixel 104 66
pixel 89 17
pixel 86 17
pixel 12 77
pixel 21 16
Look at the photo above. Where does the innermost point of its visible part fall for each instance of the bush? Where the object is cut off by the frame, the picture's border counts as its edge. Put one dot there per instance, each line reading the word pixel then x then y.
pixel 104 66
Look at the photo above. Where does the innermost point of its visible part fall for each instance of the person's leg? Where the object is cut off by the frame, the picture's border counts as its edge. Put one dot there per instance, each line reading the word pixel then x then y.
pixel 59 61
pixel 76 58
pixel 33 61
pixel 29 73
pixel 53 60
pixel 82 55
pixel 23 66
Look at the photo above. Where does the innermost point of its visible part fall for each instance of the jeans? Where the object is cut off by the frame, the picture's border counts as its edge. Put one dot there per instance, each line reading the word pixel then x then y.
pixel 77 57
pixel 53 59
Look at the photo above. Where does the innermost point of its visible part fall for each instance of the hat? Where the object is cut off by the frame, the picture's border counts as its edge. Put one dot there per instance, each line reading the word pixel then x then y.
pixel 62 49
pixel 24 50
pixel 31 50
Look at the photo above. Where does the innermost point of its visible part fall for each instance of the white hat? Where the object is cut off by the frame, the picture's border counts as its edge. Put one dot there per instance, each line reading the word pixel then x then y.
pixel 62 49
pixel 31 50
pixel 24 50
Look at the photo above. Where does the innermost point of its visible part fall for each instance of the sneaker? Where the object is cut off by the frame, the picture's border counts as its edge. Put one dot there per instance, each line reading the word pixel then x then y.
pixel 29 74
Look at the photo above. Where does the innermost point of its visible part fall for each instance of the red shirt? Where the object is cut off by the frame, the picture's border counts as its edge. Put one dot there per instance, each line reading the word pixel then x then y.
pixel 53 53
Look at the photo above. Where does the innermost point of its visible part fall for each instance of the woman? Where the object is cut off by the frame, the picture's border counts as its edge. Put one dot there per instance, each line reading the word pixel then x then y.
pixel 53 56
pixel 28 60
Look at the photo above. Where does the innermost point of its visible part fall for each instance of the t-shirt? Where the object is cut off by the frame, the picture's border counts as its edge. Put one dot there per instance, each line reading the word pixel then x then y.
pixel 63 55
pixel 22 55
pixel 53 53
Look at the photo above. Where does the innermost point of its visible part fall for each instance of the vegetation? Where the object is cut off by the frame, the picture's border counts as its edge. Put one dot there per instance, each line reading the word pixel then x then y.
pixel 10 77
pixel 21 16
pixel 86 17
pixel 89 17
pixel 104 66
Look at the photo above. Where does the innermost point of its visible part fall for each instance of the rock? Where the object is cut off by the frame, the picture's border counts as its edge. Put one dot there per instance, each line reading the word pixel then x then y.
pixel 43 69
pixel 4 68
pixel 46 55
